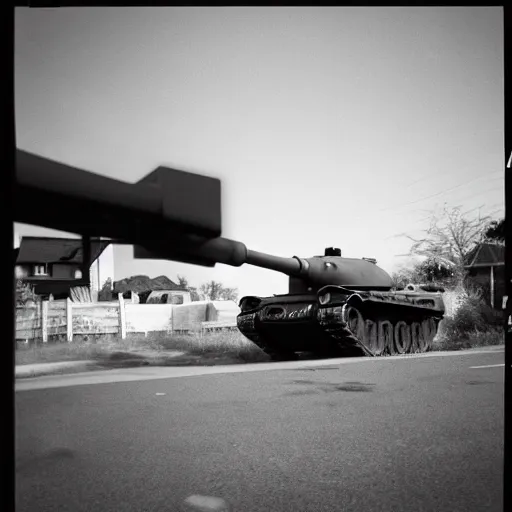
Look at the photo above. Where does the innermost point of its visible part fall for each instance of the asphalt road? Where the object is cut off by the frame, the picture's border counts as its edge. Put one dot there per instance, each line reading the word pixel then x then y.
pixel 412 434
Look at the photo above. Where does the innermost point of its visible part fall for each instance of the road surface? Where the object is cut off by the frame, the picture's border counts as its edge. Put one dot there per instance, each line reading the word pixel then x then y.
pixel 411 434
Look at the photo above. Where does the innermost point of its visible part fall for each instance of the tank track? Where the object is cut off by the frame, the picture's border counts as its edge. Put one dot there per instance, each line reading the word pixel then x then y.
pixel 361 328
pixel 247 328
pixel 364 329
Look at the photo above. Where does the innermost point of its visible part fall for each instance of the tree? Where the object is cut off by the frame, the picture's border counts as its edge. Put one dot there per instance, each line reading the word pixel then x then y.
pixel 496 232
pixel 427 271
pixel 213 290
pixel 229 294
pixel 24 293
pixel 183 283
pixel 447 242
pixel 194 295
pixel 210 290
pixel 105 294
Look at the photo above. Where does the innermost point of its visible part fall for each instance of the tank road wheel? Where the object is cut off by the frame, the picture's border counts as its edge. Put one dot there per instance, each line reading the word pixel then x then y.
pixel 385 336
pixel 354 321
pixel 434 327
pixel 372 341
pixel 355 327
pixel 371 336
pixel 417 342
pixel 429 331
pixel 432 331
pixel 424 336
pixel 391 346
pixel 402 337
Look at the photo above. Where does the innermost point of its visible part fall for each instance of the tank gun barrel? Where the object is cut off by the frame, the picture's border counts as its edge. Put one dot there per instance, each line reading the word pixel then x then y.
pixel 290 266
pixel 203 251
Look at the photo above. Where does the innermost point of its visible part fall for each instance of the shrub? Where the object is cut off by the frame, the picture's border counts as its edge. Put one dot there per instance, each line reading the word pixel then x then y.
pixel 474 324
pixel 25 293
pixel 469 316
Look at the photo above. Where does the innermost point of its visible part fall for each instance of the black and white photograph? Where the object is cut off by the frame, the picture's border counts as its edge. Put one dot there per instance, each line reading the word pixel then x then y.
pixel 259 259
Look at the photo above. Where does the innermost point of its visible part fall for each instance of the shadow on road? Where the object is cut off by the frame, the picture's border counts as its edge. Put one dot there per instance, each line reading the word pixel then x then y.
pixel 330 387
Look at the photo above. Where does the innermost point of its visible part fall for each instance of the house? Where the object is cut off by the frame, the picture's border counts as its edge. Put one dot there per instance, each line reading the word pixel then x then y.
pixel 159 290
pixel 54 265
pixel 486 267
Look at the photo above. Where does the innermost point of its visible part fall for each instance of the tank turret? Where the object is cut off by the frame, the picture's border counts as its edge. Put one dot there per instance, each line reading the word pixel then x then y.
pixel 306 274
pixel 310 274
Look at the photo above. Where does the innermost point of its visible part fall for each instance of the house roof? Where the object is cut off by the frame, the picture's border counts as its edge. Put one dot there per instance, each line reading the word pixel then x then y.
pixel 52 286
pixel 141 284
pixel 486 255
pixel 35 249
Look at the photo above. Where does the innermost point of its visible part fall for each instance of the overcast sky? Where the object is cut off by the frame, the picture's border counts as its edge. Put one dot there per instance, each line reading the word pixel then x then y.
pixel 327 126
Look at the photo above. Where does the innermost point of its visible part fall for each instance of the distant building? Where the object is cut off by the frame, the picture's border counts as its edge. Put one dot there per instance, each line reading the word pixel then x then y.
pixel 54 265
pixel 177 296
pixel 159 290
pixel 486 267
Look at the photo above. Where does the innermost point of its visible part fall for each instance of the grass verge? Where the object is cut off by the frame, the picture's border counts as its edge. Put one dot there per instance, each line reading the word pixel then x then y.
pixel 228 347
pixel 490 337
pixel 221 348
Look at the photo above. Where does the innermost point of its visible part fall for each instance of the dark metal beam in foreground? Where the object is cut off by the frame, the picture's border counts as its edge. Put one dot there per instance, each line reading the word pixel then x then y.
pixel 164 204
pixel 195 250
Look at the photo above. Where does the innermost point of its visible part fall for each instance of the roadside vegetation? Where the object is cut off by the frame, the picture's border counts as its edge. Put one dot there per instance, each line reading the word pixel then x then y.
pixel 474 324
pixel 156 349
pixel 441 256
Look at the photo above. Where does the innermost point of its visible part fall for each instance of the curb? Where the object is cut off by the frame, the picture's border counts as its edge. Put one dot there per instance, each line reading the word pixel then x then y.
pixel 37 370
pixel 72 367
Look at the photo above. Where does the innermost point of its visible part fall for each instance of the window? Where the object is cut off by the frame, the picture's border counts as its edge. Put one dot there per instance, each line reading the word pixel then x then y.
pixel 78 274
pixel 40 270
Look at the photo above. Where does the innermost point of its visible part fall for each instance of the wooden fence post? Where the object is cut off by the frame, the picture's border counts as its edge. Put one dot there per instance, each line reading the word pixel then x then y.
pixel 44 320
pixel 69 319
pixel 122 317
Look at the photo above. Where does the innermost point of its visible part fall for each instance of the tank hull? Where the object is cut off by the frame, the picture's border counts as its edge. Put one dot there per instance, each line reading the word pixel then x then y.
pixel 349 323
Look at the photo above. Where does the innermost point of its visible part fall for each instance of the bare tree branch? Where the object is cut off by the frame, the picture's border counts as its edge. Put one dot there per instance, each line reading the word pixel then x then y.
pixel 450 237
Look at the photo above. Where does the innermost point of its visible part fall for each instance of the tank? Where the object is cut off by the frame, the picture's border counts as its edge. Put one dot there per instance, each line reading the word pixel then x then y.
pixel 335 306
pixel 339 306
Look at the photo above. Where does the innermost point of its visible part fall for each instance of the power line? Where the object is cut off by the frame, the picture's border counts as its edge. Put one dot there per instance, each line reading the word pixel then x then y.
pixel 437 194
pixel 480 192
pixel 441 192
pixel 464 213
pixel 404 233
pixel 424 178
pixel 449 190
pixel 472 209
